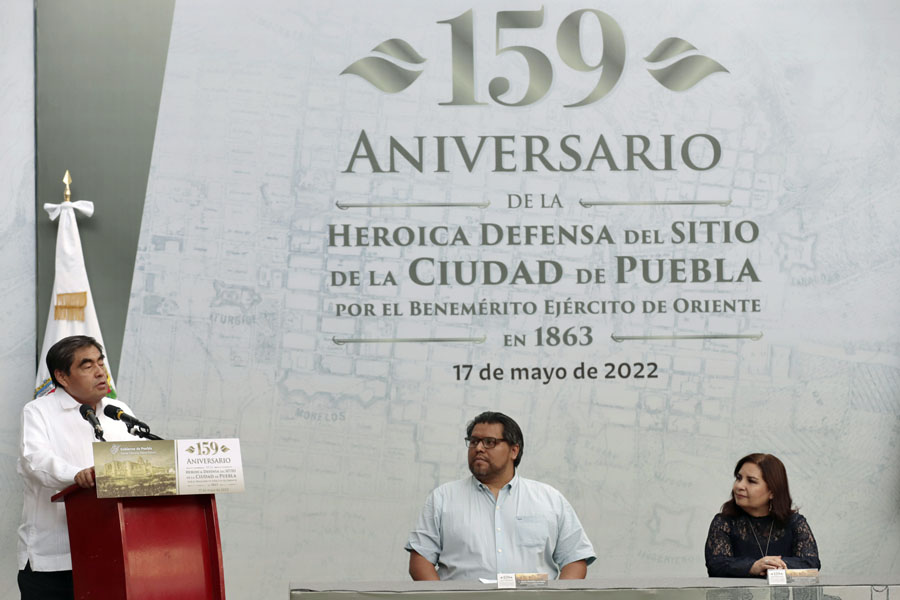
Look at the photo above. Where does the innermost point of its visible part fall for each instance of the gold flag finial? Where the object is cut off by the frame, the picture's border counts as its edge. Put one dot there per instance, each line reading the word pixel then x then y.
pixel 67 179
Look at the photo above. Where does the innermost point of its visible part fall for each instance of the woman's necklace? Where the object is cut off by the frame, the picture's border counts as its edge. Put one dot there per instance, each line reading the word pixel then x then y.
pixel 758 545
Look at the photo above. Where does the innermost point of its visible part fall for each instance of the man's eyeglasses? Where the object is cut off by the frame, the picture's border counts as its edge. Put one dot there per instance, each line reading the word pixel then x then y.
pixel 488 442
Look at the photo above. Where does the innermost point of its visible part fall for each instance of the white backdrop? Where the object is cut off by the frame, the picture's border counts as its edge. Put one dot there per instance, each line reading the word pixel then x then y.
pixel 233 314
pixel 17 263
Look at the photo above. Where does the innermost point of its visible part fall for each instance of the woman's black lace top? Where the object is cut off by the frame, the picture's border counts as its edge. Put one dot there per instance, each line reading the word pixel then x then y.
pixel 731 548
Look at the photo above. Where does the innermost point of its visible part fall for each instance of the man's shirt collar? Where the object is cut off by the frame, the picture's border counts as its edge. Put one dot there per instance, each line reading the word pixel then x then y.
pixel 66 402
pixel 512 484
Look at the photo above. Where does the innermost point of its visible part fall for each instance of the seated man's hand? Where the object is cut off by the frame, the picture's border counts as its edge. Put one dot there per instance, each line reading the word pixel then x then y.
pixel 85 477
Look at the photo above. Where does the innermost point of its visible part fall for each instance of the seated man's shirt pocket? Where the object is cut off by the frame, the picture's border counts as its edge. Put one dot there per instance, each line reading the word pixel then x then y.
pixel 535 531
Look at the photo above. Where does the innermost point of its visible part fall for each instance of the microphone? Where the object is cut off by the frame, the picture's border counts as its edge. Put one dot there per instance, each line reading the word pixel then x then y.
pixel 117 414
pixel 88 414
pixel 135 427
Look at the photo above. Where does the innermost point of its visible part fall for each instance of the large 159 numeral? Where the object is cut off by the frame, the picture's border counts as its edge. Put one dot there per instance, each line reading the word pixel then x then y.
pixel 540 70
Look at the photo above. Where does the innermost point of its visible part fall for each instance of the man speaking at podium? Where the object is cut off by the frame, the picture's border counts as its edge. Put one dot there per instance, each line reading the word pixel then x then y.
pixel 55 451
pixel 495 521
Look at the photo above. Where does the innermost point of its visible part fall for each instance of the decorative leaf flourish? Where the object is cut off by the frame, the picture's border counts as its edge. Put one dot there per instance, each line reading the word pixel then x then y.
pixel 685 73
pixel 399 49
pixel 382 73
pixel 668 48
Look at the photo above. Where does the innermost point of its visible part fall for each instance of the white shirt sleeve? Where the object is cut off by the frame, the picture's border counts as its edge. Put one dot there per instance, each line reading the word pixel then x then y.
pixel 425 539
pixel 38 459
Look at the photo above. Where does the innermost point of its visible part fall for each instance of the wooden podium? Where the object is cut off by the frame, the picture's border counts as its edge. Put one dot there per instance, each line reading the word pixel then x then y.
pixel 159 548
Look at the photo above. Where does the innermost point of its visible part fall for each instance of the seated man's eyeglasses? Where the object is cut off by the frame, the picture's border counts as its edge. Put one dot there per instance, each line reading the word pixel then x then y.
pixel 488 442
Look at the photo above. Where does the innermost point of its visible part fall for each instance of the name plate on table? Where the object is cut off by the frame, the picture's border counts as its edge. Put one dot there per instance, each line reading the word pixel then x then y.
pixel 794 576
pixel 529 580
pixel 509 581
pixel 168 467
pixel 776 577
pixel 801 576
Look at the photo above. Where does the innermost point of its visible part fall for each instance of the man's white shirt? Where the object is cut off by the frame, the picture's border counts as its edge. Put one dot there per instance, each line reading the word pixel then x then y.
pixel 55 445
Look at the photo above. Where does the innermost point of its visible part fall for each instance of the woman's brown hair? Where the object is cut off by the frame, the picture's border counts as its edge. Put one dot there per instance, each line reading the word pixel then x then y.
pixel 775 476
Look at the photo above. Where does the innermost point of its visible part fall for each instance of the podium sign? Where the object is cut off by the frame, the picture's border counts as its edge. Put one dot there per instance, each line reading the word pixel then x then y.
pixel 168 467
pixel 209 466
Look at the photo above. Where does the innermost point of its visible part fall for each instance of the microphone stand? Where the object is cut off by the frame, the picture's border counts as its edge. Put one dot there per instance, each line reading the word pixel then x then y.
pixel 142 432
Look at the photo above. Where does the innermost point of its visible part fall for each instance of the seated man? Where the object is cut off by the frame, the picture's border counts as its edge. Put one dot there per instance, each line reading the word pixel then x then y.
pixel 495 521
pixel 55 451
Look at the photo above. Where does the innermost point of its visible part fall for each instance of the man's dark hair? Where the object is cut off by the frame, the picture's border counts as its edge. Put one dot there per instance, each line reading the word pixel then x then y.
pixel 62 353
pixel 511 431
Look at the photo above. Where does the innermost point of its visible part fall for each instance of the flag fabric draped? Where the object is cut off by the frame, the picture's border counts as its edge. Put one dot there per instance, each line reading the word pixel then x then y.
pixel 71 305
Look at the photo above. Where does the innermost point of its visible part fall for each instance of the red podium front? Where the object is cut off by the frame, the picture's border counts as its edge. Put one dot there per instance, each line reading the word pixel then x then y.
pixel 148 548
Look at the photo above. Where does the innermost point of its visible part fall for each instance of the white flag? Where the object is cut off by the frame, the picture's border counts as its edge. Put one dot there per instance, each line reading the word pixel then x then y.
pixel 71 305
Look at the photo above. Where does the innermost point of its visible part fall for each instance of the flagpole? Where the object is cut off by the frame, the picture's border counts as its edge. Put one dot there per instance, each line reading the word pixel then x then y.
pixel 67 179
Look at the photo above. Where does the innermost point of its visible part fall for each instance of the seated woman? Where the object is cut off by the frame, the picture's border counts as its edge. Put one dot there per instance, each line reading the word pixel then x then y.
pixel 758 529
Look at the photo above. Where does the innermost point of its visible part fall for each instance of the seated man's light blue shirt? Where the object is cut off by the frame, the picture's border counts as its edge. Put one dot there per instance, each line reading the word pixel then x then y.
pixel 530 528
